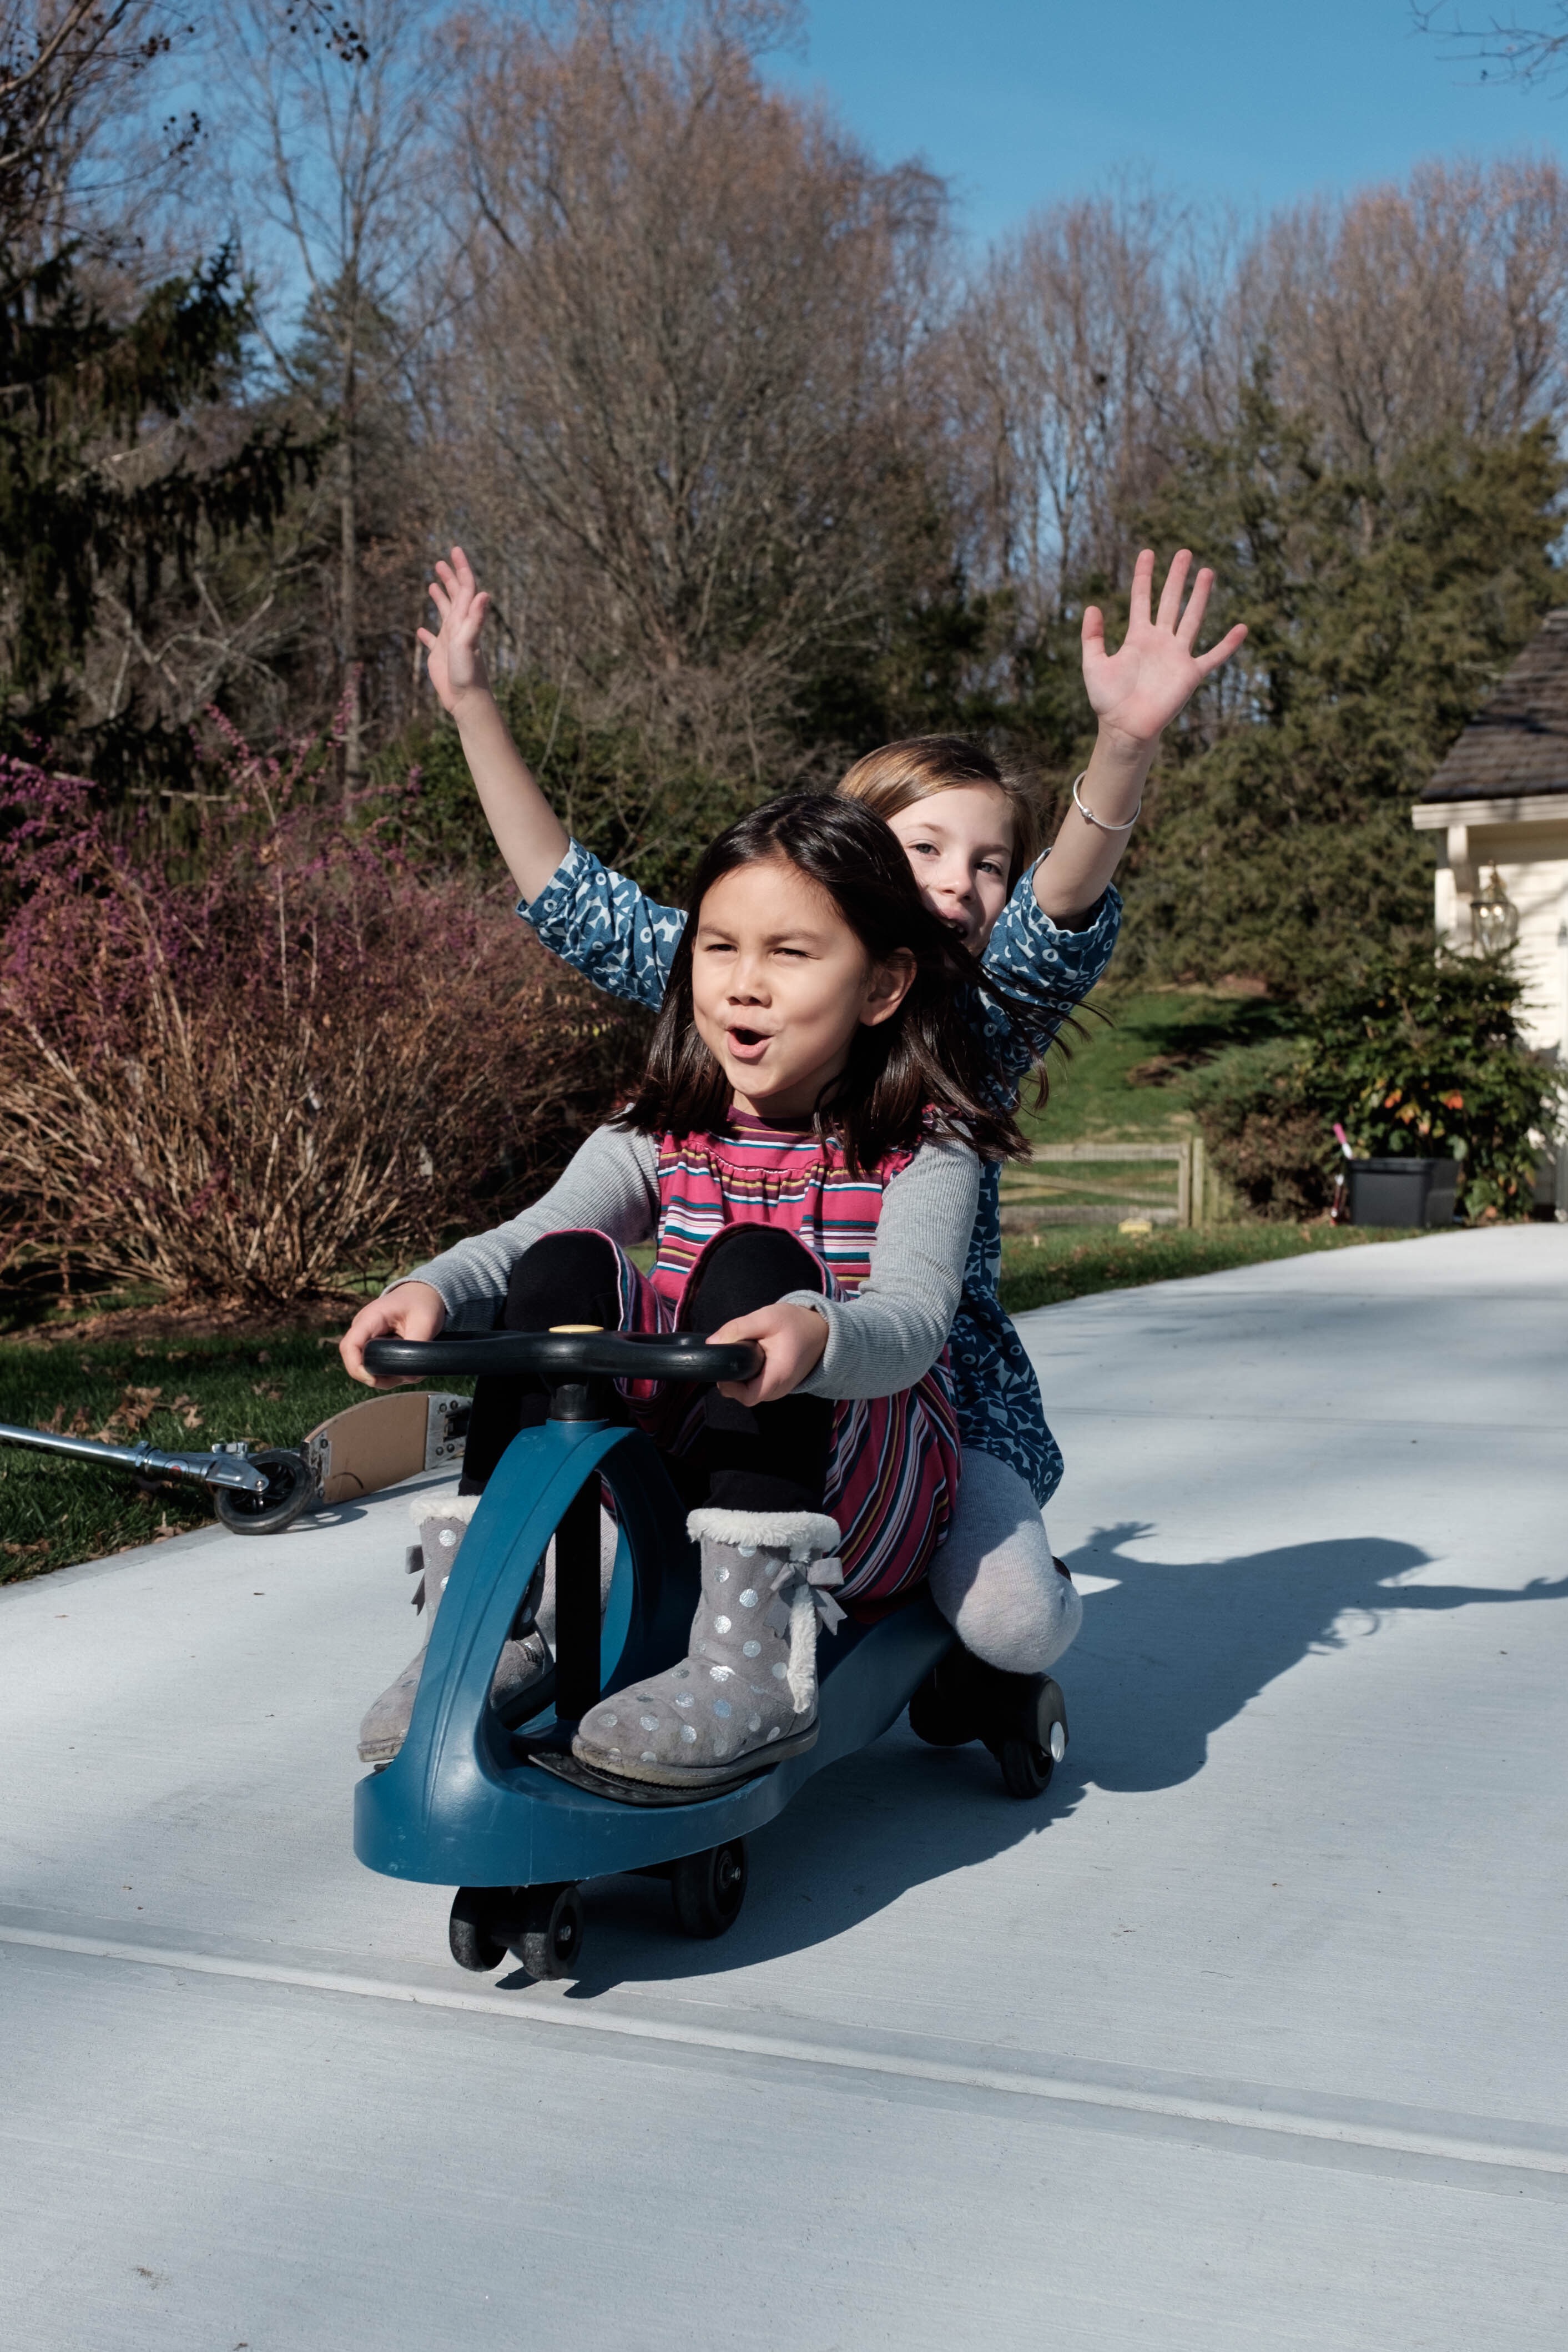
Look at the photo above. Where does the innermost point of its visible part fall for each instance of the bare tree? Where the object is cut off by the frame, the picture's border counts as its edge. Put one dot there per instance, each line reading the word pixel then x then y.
pixel 55 55
pixel 81 146
pixel 682 420
pixel 1068 372
pixel 327 116
pixel 1409 311
pixel 1518 52
pixel 1097 345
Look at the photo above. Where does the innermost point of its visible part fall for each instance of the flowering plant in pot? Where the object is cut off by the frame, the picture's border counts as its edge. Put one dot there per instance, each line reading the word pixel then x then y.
pixel 1417 1055
pixel 1422 1054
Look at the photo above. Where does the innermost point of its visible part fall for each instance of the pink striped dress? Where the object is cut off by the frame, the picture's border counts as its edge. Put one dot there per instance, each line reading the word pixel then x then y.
pixel 893 1469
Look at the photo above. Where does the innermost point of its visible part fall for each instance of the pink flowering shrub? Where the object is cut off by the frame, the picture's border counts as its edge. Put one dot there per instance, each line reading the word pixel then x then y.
pixel 300 1058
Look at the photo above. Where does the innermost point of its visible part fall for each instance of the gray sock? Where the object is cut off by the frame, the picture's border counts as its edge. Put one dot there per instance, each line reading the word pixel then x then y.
pixel 994 1579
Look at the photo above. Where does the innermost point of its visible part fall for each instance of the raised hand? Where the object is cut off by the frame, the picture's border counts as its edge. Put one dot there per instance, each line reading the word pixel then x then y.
pixel 456 662
pixel 1139 689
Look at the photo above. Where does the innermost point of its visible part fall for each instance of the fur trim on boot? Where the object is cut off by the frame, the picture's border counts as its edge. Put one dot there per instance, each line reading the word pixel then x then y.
pixel 804 1535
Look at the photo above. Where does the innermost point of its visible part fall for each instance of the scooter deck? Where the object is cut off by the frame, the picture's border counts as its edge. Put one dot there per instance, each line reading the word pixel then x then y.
pixel 384 1441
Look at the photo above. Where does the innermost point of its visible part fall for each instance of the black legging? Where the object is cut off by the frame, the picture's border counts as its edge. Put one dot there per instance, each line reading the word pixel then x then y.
pixel 768 1457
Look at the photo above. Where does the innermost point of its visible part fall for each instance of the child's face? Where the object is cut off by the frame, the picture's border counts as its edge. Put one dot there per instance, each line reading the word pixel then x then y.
pixel 960 843
pixel 780 984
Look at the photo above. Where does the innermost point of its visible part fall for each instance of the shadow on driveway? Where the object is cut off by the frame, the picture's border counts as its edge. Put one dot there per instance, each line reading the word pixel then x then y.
pixel 1172 1653
pixel 1168 1655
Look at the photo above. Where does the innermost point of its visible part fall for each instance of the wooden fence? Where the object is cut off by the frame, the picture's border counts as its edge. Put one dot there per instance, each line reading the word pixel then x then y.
pixel 1194 1202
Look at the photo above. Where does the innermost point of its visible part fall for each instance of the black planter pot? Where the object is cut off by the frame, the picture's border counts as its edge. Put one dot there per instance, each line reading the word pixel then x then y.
pixel 1403 1192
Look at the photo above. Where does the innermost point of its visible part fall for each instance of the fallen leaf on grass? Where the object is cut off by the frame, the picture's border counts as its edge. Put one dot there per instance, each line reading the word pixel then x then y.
pixel 134 1411
pixel 266 1388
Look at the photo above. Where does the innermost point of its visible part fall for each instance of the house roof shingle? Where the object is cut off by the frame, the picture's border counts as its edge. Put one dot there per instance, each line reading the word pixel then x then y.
pixel 1517 745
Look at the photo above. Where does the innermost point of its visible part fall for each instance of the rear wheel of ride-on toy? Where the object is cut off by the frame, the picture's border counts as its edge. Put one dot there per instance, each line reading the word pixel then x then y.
pixel 474 1930
pixel 288 1488
pixel 1032 1741
pixel 708 1889
pixel 941 1713
pixel 547 1932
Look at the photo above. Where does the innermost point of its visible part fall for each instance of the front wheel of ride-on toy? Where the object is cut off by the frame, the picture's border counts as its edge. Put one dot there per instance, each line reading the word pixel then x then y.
pixel 473 1931
pixel 1032 1742
pixel 708 1889
pixel 289 1486
pixel 547 1935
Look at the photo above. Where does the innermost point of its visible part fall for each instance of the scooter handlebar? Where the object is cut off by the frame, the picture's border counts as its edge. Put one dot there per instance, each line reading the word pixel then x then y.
pixel 559 1356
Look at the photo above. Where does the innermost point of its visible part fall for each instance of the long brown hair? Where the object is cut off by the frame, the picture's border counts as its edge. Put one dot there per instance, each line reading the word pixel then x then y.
pixel 922 1072
pixel 896 776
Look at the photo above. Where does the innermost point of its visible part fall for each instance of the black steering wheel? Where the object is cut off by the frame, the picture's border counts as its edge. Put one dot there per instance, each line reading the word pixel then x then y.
pixel 567 1359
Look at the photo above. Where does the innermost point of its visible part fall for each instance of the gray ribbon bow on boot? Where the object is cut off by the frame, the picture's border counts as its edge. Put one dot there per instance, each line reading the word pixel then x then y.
pixel 802 1591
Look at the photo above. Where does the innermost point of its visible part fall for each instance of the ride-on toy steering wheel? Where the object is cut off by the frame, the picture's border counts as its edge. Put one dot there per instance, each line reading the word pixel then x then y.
pixel 471 1802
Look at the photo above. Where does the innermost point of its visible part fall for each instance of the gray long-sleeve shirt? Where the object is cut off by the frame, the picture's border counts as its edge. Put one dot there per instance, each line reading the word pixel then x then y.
pixel 882 1340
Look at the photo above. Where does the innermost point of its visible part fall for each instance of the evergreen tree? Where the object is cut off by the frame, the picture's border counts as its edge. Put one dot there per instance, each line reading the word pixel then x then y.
pixel 106 490
pixel 1381 608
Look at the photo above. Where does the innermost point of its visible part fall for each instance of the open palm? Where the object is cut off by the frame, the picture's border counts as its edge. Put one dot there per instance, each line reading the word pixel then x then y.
pixel 453 655
pixel 1139 689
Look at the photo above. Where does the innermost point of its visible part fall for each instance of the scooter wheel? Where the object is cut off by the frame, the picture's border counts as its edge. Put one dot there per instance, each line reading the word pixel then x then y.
pixel 550 1934
pixel 708 1889
pixel 471 1931
pixel 289 1486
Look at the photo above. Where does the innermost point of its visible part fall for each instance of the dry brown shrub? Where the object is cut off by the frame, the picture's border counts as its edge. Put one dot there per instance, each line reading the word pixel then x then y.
pixel 311 1062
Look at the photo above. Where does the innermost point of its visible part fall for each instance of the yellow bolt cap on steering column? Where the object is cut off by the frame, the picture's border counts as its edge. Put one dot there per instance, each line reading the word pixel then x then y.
pixel 577 1327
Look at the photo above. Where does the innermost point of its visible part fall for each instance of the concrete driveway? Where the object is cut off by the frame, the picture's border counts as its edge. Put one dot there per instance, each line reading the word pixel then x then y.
pixel 1252 2032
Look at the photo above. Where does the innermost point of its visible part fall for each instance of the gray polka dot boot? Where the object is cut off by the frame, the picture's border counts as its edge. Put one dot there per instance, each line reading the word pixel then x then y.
pixel 442 1525
pixel 745 1693
pixel 525 1663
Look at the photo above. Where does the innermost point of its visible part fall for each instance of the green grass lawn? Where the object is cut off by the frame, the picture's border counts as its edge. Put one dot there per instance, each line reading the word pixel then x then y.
pixel 1163 1037
pixel 1070 1262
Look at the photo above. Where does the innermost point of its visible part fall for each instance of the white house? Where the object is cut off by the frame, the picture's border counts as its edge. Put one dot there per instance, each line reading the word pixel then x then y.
pixel 1501 803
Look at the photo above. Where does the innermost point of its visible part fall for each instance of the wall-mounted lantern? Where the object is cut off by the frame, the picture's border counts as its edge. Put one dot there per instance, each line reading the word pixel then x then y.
pixel 1494 918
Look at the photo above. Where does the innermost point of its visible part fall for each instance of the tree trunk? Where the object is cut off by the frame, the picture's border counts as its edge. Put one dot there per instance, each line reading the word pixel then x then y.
pixel 348 579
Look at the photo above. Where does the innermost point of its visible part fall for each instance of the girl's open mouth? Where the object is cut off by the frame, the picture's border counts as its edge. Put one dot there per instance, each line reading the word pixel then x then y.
pixel 748 1044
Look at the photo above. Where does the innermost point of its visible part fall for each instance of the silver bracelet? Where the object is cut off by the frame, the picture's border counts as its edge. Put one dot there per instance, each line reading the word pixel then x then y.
pixel 1088 814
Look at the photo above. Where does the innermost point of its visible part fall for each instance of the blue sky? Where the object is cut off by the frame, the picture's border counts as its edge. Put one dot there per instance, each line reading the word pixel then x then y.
pixel 1020 102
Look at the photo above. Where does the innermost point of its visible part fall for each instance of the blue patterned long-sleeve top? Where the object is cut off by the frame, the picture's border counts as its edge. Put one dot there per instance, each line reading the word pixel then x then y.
pixel 601 924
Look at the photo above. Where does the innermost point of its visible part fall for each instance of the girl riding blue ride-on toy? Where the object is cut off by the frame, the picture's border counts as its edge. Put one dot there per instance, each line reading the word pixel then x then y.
pixel 805 1151
pixel 969 838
